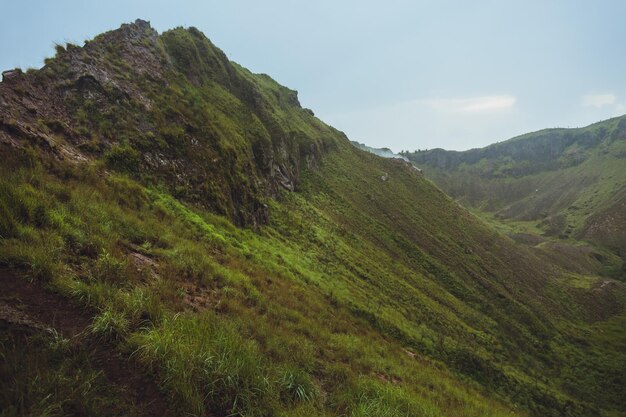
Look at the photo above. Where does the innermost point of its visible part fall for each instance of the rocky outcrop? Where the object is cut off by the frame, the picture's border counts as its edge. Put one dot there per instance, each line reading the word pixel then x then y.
pixel 11 74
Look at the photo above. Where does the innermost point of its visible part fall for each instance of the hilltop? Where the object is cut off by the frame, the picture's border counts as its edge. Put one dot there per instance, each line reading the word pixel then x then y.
pixel 213 241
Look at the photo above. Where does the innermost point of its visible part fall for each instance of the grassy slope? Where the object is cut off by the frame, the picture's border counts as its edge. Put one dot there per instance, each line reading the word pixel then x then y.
pixel 359 297
pixel 273 329
pixel 328 295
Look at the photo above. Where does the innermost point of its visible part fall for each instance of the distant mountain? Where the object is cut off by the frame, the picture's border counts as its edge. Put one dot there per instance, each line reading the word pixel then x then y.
pixel 571 182
pixel 178 236
pixel 382 152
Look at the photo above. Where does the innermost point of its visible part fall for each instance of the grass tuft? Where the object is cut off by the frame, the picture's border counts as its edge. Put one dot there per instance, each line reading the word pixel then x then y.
pixel 110 325
pixel 297 385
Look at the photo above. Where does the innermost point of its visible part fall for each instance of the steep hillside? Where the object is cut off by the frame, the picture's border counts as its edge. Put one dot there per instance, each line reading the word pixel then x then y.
pixel 568 183
pixel 213 236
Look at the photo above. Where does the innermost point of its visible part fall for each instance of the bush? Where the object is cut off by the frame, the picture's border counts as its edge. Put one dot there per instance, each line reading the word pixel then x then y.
pixel 122 158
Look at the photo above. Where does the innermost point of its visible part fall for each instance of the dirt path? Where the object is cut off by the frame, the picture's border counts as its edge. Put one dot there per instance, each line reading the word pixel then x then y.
pixel 25 303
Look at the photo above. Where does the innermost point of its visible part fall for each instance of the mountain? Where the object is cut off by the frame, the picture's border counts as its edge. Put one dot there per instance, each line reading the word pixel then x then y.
pixel 180 236
pixel 564 183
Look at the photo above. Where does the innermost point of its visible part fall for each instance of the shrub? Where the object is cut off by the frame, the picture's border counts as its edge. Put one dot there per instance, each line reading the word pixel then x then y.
pixel 122 158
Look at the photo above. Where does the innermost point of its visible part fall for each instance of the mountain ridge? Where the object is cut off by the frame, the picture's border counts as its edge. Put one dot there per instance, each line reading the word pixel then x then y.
pixel 570 182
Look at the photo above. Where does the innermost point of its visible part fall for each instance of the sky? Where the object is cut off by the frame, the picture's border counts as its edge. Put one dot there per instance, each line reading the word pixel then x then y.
pixel 400 74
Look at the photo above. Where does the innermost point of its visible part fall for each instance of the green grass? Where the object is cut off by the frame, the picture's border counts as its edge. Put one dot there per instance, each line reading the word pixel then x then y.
pixel 205 363
pixel 582 281
pixel 271 302
pixel 110 325
pixel 287 305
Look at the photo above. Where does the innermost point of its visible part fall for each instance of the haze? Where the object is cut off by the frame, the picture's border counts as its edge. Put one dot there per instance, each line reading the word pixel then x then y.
pixel 404 75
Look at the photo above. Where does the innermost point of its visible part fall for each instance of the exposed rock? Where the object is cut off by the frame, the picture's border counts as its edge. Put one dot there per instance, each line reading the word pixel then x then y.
pixel 409 353
pixel 283 179
pixel 199 297
pixel 10 74
pixel 144 263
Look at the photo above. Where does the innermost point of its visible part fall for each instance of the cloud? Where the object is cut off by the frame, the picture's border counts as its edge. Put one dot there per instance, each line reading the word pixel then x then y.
pixel 472 104
pixel 598 100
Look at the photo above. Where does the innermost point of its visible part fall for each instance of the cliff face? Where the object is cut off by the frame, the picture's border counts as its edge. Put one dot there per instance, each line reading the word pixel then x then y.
pixel 170 108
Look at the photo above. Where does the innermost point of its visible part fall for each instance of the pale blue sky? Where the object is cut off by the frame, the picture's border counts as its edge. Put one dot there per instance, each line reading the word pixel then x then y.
pixel 402 74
